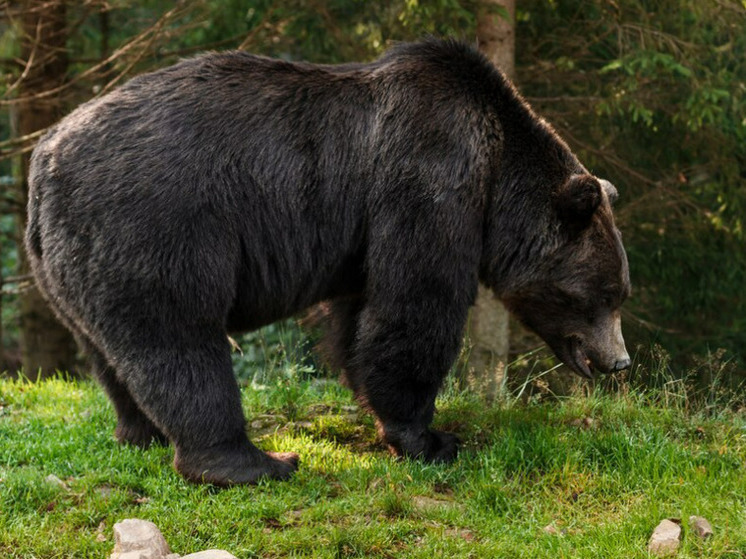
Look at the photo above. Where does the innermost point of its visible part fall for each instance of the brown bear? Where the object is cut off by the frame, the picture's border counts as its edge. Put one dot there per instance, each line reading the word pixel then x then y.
pixel 231 190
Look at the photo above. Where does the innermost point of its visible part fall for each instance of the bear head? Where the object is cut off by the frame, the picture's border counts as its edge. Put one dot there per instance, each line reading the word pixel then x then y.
pixel 572 294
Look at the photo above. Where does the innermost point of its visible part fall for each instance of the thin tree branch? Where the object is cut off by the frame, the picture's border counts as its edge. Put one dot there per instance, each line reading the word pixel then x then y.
pixel 29 61
pixel 254 32
pixel 21 139
pixel 150 32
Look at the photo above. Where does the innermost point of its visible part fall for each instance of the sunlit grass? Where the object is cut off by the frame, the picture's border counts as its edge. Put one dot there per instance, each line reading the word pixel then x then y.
pixel 602 470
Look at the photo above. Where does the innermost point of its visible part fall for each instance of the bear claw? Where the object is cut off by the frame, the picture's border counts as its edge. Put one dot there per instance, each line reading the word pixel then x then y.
pixel 444 449
pixel 238 468
pixel 427 445
pixel 142 435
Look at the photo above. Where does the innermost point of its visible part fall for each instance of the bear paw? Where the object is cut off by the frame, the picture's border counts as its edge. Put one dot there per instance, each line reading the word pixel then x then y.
pixel 428 445
pixel 141 434
pixel 444 447
pixel 234 466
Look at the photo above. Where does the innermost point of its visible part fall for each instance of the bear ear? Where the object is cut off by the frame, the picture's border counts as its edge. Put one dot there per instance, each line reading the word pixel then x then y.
pixel 610 189
pixel 578 199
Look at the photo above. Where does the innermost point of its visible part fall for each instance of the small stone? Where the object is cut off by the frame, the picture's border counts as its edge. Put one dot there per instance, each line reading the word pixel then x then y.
pixel 100 532
pixel 665 538
pixel 54 480
pixel 210 554
pixel 423 503
pixel 583 423
pixel 137 554
pixel 700 526
pixel 458 533
pixel 551 529
pixel 138 536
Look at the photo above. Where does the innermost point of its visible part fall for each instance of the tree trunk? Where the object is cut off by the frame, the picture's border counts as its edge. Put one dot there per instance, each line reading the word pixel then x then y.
pixel 496 33
pixel 46 346
pixel 3 362
pixel 488 330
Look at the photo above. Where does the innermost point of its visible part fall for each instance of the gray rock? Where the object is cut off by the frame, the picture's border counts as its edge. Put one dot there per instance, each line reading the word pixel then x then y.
pixel 210 554
pixel 423 503
pixel 665 538
pixel 700 526
pixel 552 530
pixel 138 554
pixel 138 539
pixel 54 480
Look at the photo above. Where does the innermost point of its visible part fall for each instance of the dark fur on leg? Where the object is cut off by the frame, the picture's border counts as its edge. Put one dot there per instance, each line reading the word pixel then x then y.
pixel 338 320
pixel 133 426
pixel 234 463
pixel 418 441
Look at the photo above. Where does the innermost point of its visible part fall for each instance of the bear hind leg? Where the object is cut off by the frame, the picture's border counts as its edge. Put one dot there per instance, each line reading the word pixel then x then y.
pixel 133 426
pixel 189 391
pixel 339 321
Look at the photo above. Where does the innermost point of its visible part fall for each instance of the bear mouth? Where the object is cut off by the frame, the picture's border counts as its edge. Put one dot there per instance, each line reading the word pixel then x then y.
pixel 577 360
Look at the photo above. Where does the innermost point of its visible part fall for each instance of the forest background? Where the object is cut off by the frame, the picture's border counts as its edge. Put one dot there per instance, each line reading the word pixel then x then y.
pixel 651 94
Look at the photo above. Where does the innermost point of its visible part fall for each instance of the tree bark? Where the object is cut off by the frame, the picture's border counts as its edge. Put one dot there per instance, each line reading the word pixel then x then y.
pixel 46 346
pixel 488 329
pixel 3 362
pixel 496 33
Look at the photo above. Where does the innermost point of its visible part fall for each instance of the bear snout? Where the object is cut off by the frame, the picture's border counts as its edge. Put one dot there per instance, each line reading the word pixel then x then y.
pixel 607 349
pixel 622 364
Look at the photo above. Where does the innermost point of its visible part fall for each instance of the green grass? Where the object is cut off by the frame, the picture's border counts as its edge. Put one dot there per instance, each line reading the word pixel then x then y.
pixel 604 483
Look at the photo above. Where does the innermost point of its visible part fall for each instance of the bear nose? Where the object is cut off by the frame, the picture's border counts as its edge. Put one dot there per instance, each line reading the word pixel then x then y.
pixel 622 364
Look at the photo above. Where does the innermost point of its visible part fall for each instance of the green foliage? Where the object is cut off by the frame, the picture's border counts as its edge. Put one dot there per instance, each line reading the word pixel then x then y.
pixel 8 259
pixel 280 346
pixel 601 470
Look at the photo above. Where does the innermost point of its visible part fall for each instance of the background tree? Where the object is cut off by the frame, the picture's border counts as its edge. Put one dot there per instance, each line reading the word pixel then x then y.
pixel 46 345
pixel 489 322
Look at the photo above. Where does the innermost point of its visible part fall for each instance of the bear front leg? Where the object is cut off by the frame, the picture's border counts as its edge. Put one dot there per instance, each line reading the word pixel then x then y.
pixel 399 360
pixel 417 440
pixel 422 261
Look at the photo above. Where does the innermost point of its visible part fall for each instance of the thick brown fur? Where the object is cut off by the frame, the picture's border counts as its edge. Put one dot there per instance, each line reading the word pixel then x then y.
pixel 231 190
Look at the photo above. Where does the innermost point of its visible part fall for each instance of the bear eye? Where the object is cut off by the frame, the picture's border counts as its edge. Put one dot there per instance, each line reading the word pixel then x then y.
pixel 610 298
